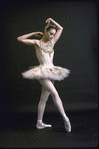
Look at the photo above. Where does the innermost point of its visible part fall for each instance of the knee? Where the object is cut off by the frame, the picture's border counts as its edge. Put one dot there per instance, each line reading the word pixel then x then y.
pixel 54 94
pixel 42 101
pixel 44 98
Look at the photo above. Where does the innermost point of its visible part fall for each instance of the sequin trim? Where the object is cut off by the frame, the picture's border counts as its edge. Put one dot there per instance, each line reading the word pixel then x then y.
pixel 46 48
pixel 56 70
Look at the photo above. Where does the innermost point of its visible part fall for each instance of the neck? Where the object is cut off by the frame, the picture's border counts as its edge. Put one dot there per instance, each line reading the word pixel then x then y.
pixel 44 39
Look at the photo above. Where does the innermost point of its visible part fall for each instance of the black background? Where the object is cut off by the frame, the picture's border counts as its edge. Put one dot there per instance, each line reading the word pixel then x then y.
pixel 76 50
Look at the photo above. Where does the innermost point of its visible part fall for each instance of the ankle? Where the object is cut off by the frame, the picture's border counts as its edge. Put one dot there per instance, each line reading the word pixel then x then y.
pixel 65 118
pixel 39 121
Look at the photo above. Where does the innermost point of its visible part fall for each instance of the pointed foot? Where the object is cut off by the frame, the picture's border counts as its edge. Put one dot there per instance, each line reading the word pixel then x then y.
pixel 67 125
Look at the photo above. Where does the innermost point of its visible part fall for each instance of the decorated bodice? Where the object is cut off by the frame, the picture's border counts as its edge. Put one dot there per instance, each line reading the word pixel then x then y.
pixel 47 48
pixel 46 53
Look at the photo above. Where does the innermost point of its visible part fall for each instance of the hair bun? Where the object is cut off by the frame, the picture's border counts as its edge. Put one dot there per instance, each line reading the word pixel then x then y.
pixel 50 25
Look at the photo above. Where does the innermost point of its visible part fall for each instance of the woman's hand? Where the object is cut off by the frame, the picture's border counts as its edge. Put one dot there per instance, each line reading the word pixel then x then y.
pixel 48 20
pixel 38 34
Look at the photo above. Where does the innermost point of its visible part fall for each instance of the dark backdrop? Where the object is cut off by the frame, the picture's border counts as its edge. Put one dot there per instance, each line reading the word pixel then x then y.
pixel 76 50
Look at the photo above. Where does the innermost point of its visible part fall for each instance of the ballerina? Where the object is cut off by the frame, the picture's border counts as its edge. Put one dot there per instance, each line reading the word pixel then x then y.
pixel 46 73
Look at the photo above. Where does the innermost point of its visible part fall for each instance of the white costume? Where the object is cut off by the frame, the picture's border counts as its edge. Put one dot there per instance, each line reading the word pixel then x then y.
pixel 45 72
pixel 46 69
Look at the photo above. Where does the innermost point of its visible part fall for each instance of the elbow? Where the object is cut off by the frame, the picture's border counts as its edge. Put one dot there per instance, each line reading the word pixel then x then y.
pixel 62 28
pixel 18 38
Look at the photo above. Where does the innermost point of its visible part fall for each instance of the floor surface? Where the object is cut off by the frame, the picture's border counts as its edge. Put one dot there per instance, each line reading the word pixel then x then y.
pixel 17 130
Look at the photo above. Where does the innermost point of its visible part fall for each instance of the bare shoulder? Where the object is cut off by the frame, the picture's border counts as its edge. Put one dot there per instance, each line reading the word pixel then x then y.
pixel 37 42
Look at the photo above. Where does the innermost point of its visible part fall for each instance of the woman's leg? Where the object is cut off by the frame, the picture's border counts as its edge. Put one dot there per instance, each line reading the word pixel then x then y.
pixel 48 85
pixel 42 103
pixel 41 107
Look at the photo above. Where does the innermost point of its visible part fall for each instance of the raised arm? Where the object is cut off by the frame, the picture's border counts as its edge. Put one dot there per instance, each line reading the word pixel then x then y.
pixel 26 41
pixel 58 27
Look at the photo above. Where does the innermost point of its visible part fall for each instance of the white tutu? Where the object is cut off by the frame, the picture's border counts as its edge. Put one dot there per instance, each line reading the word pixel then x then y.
pixel 52 73
pixel 46 69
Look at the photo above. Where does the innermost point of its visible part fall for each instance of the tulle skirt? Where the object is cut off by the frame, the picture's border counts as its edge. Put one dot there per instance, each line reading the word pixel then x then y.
pixel 41 72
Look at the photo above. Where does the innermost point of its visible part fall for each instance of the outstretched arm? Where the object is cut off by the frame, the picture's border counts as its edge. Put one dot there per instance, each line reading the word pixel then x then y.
pixel 26 41
pixel 58 27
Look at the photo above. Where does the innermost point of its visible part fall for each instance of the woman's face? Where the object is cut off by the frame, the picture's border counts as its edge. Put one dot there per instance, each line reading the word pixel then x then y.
pixel 50 34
